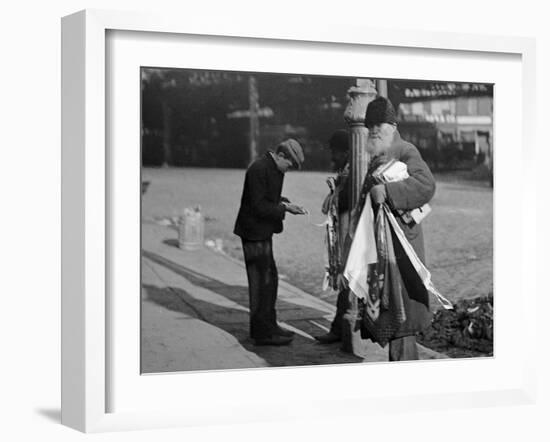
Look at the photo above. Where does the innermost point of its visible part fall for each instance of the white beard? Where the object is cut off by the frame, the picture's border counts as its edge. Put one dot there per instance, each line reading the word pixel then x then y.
pixel 380 143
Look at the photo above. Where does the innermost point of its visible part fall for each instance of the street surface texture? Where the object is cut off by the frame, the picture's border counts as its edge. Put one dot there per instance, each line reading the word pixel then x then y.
pixel 195 303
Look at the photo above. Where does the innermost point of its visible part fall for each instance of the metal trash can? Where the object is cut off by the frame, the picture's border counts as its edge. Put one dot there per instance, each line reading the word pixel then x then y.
pixel 191 229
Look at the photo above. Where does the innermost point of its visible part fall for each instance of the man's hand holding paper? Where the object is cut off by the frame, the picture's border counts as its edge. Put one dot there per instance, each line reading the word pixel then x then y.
pixel 378 194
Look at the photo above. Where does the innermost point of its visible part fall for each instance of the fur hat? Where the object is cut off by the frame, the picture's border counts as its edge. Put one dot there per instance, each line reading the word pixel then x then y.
pixel 380 110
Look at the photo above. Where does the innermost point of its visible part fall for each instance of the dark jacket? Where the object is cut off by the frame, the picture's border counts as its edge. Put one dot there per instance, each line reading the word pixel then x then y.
pixel 261 213
pixel 343 184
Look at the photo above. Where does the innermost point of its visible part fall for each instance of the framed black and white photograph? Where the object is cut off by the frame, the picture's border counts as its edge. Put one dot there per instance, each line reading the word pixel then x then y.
pixel 225 285
pixel 265 214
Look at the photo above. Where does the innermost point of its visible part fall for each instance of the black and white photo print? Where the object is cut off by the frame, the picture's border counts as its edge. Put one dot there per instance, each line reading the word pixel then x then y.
pixel 296 219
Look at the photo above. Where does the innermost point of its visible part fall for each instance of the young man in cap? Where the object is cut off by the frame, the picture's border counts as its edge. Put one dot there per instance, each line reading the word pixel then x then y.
pixel 338 203
pixel 261 215
pixel 383 144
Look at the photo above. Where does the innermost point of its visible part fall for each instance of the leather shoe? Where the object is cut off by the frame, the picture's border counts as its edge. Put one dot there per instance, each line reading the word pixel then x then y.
pixel 273 340
pixel 279 331
pixel 328 338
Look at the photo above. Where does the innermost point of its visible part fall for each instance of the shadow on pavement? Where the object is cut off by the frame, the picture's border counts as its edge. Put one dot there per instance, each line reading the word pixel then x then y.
pixel 232 316
pixel 235 293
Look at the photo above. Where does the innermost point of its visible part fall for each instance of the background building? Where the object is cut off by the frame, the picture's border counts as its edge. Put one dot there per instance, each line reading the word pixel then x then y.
pixel 454 133
pixel 199 118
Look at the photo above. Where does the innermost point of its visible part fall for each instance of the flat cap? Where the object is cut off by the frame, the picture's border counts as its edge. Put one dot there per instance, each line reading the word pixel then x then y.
pixel 294 149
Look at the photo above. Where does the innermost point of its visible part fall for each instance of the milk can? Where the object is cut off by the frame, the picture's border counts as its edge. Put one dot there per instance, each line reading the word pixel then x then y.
pixel 191 229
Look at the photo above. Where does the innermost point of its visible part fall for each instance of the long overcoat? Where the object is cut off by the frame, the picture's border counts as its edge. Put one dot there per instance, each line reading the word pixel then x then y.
pixel 408 194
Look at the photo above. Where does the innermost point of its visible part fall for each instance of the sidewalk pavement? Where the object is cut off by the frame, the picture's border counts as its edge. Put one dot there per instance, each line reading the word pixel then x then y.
pixel 194 314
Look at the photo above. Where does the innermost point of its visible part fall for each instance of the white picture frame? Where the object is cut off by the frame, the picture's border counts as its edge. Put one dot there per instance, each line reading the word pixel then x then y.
pixel 86 317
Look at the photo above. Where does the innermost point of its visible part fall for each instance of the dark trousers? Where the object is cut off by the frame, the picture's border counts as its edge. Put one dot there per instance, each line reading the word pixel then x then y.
pixel 342 306
pixel 263 281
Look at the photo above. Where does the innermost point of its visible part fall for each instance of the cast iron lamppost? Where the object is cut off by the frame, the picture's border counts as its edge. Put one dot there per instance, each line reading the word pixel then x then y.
pixel 360 96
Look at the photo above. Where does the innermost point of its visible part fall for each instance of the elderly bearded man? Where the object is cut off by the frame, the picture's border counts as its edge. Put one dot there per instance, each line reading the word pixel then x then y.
pixel 260 216
pixel 385 143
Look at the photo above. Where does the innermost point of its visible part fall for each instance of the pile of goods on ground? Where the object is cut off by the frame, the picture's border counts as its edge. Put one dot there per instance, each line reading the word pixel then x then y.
pixel 465 331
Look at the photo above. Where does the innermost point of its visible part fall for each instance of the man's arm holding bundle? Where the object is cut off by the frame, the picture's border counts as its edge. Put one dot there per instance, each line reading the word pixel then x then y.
pixel 416 190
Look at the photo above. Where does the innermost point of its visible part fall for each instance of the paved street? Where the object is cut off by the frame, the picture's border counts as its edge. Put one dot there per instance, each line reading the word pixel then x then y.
pixel 195 314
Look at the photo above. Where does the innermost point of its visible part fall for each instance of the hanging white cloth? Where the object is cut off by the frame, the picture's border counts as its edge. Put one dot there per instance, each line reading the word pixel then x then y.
pixel 362 252
pixel 363 248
